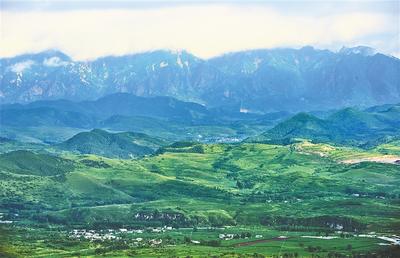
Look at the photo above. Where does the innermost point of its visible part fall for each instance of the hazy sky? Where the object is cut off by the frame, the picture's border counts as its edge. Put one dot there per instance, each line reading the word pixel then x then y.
pixel 89 29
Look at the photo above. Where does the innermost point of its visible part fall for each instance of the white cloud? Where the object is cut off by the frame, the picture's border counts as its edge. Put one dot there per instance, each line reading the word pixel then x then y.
pixel 54 61
pixel 21 66
pixel 203 30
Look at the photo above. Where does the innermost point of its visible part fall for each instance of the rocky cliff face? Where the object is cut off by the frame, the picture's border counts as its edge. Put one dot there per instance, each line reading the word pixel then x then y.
pixel 255 80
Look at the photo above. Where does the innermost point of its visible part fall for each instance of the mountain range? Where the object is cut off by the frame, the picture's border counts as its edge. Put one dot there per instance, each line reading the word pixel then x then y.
pixel 84 114
pixel 53 121
pixel 349 126
pixel 262 80
pixel 125 108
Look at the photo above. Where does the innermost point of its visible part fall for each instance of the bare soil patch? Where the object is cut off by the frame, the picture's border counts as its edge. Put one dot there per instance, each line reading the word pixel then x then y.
pixel 379 159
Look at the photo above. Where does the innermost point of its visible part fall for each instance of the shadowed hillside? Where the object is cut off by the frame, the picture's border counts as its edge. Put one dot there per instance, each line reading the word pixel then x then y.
pixel 348 126
pixel 103 143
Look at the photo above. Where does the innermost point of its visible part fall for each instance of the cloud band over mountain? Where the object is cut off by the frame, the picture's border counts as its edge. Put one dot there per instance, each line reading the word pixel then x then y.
pixel 204 29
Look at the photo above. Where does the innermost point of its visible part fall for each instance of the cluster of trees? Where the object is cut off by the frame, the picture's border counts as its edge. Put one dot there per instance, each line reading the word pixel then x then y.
pixel 95 163
pixel 166 217
pixel 184 147
pixel 245 184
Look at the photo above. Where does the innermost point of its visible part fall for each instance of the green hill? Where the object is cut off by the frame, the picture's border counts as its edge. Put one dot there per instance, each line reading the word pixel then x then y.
pixel 30 163
pixel 301 125
pixel 348 126
pixel 351 120
pixel 113 145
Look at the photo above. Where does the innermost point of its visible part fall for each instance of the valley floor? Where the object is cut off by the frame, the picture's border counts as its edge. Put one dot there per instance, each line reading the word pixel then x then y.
pixel 198 242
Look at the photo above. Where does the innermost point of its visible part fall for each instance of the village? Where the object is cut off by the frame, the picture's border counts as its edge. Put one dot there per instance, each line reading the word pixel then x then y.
pixel 153 236
pixel 118 235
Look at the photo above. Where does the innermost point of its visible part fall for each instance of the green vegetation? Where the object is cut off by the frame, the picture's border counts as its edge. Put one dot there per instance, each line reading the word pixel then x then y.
pixel 111 145
pixel 36 135
pixel 392 147
pixel 29 163
pixel 308 187
pixel 200 191
pixel 349 127
pixel 165 117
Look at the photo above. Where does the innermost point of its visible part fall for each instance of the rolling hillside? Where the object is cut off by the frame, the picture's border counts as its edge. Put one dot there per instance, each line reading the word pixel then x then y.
pixel 29 163
pixel 213 184
pixel 191 194
pixel 103 143
pixel 348 126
